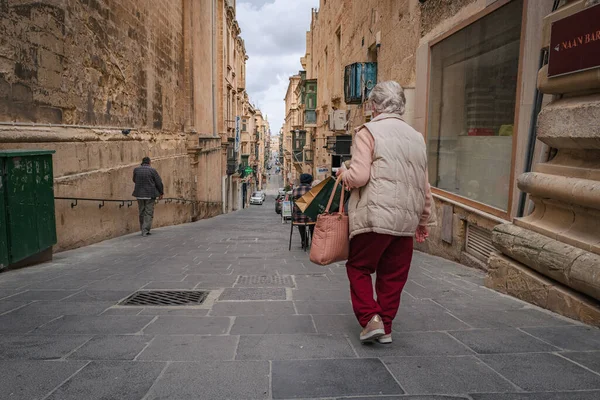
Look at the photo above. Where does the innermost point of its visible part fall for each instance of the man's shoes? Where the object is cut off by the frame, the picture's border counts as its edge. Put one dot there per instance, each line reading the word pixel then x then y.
pixel 385 339
pixel 373 331
pixel 148 234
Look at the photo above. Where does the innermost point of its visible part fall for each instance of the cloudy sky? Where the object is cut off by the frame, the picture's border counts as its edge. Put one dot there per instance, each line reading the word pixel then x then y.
pixel 275 35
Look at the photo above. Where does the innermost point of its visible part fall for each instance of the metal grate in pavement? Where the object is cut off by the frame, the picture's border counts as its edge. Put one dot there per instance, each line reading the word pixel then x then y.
pixel 165 298
pixel 264 280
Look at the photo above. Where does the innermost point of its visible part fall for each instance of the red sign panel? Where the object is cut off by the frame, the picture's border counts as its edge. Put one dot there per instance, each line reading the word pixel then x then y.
pixel 575 43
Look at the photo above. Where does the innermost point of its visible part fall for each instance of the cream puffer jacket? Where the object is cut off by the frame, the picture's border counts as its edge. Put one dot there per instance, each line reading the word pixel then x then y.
pixel 393 200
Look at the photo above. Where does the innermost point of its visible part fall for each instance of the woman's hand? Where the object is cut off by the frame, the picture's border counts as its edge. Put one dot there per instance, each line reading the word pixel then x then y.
pixel 422 233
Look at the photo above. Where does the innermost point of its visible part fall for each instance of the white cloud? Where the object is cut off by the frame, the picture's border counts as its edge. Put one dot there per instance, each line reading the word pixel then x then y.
pixel 274 32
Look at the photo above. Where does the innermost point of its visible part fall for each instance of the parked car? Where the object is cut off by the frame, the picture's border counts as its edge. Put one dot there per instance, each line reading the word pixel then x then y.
pixel 257 198
pixel 262 194
pixel 278 203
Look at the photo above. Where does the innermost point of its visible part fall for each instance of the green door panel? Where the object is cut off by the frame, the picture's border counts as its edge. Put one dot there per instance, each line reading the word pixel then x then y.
pixel 21 206
pixel 46 224
pixel 4 257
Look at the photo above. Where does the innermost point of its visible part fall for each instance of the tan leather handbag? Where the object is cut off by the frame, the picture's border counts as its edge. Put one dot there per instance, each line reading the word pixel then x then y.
pixel 331 242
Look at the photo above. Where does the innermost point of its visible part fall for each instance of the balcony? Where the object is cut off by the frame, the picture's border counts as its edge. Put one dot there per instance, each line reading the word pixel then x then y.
pixel 298 156
pixel 359 79
pixel 310 118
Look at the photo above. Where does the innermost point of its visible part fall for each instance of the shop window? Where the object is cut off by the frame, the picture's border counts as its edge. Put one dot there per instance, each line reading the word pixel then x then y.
pixel 472 100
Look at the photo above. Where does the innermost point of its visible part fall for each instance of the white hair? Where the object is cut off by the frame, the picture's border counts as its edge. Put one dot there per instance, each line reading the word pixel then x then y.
pixel 388 98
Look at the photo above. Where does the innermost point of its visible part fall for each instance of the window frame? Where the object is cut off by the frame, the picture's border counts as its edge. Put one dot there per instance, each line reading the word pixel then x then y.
pixel 497 212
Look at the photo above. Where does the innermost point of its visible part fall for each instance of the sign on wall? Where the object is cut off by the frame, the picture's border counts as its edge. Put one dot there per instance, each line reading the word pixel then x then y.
pixel 575 43
pixel 322 169
pixel 286 209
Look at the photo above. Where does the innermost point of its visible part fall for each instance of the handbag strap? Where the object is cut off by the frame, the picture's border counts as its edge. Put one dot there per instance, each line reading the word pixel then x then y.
pixel 337 182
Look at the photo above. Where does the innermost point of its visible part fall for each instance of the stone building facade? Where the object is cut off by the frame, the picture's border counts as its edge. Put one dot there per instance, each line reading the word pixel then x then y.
pixel 106 83
pixel 291 123
pixel 469 69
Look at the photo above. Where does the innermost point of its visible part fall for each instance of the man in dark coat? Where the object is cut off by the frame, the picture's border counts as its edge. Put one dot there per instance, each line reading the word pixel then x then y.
pixel 148 186
pixel 299 217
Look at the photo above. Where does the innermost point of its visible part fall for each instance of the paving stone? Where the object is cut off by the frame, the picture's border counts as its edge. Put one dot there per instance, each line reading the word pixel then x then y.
pixel 118 285
pixel 320 282
pixel 288 347
pixel 253 294
pixel 264 281
pixel 101 380
pixel 100 295
pixel 569 337
pixel 112 347
pixel 188 311
pixel 69 283
pixel 33 347
pixel 95 325
pixel 493 341
pixel 343 324
pixel 14 324
pixel 329 378
pixel 279 324
pixel 407 397
pixel 591 395
pixel 181 325
pixel 212 279
pixel 57 308
pixel 425 316
pixel 542 372
pixel 46 295
pixel 446 375
pixel 190 348
pixel 324 307
pixel 8 306
pixel 321 295
pixel 121 311
pixel 589 359
pixel 412 344
pixel 170 285
pixel 239 308
pixel 478 318
pixel 234 380
pixel 33 380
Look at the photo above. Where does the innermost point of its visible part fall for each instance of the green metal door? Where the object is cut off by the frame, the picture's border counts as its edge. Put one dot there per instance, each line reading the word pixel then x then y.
pixel 4 258
pixel 27 204
pixel 20 199
pixel 46 224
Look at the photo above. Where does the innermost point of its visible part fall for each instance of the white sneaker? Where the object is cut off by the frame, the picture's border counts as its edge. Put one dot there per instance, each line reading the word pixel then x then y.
pixel 373 331
pixel 385 339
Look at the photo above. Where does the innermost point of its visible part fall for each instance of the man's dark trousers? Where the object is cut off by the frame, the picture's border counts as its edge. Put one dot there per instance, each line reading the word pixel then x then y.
pixel 146 210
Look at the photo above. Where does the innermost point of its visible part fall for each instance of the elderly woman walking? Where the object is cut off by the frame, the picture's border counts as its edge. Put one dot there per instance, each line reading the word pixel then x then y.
pixel 390 204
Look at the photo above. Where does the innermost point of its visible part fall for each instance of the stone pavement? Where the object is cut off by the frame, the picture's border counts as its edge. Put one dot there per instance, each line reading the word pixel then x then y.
pixel 274 326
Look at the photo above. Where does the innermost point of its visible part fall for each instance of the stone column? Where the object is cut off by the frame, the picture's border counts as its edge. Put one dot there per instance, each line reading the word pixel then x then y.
pixel 552 257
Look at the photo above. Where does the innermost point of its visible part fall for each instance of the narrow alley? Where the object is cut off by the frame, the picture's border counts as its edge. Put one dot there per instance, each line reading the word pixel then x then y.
pixel 273 326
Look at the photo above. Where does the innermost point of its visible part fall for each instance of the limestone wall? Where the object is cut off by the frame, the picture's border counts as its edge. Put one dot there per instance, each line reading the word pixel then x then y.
pixel 92 62
pixel 93 68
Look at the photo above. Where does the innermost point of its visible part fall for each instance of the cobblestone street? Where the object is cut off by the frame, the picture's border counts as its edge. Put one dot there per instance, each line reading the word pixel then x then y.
pixel 273 326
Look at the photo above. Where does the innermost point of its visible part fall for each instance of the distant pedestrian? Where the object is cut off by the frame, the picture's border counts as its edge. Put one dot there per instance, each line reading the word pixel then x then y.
pixel 390 203
pixel 148 187
pixel 299 218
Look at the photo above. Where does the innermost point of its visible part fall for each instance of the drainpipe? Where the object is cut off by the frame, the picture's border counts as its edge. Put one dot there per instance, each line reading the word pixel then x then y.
pixel 537 105
pixel 214 67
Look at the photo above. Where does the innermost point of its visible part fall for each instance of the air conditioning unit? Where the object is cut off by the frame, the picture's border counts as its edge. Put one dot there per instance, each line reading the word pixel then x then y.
pixel 337 120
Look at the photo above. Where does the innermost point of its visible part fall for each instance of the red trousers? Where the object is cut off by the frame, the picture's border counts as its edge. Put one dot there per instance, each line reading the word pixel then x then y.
pixel 389 256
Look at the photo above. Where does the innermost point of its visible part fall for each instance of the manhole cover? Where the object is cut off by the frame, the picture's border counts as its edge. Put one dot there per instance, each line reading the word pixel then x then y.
pixel 165 298
pixel 265 280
